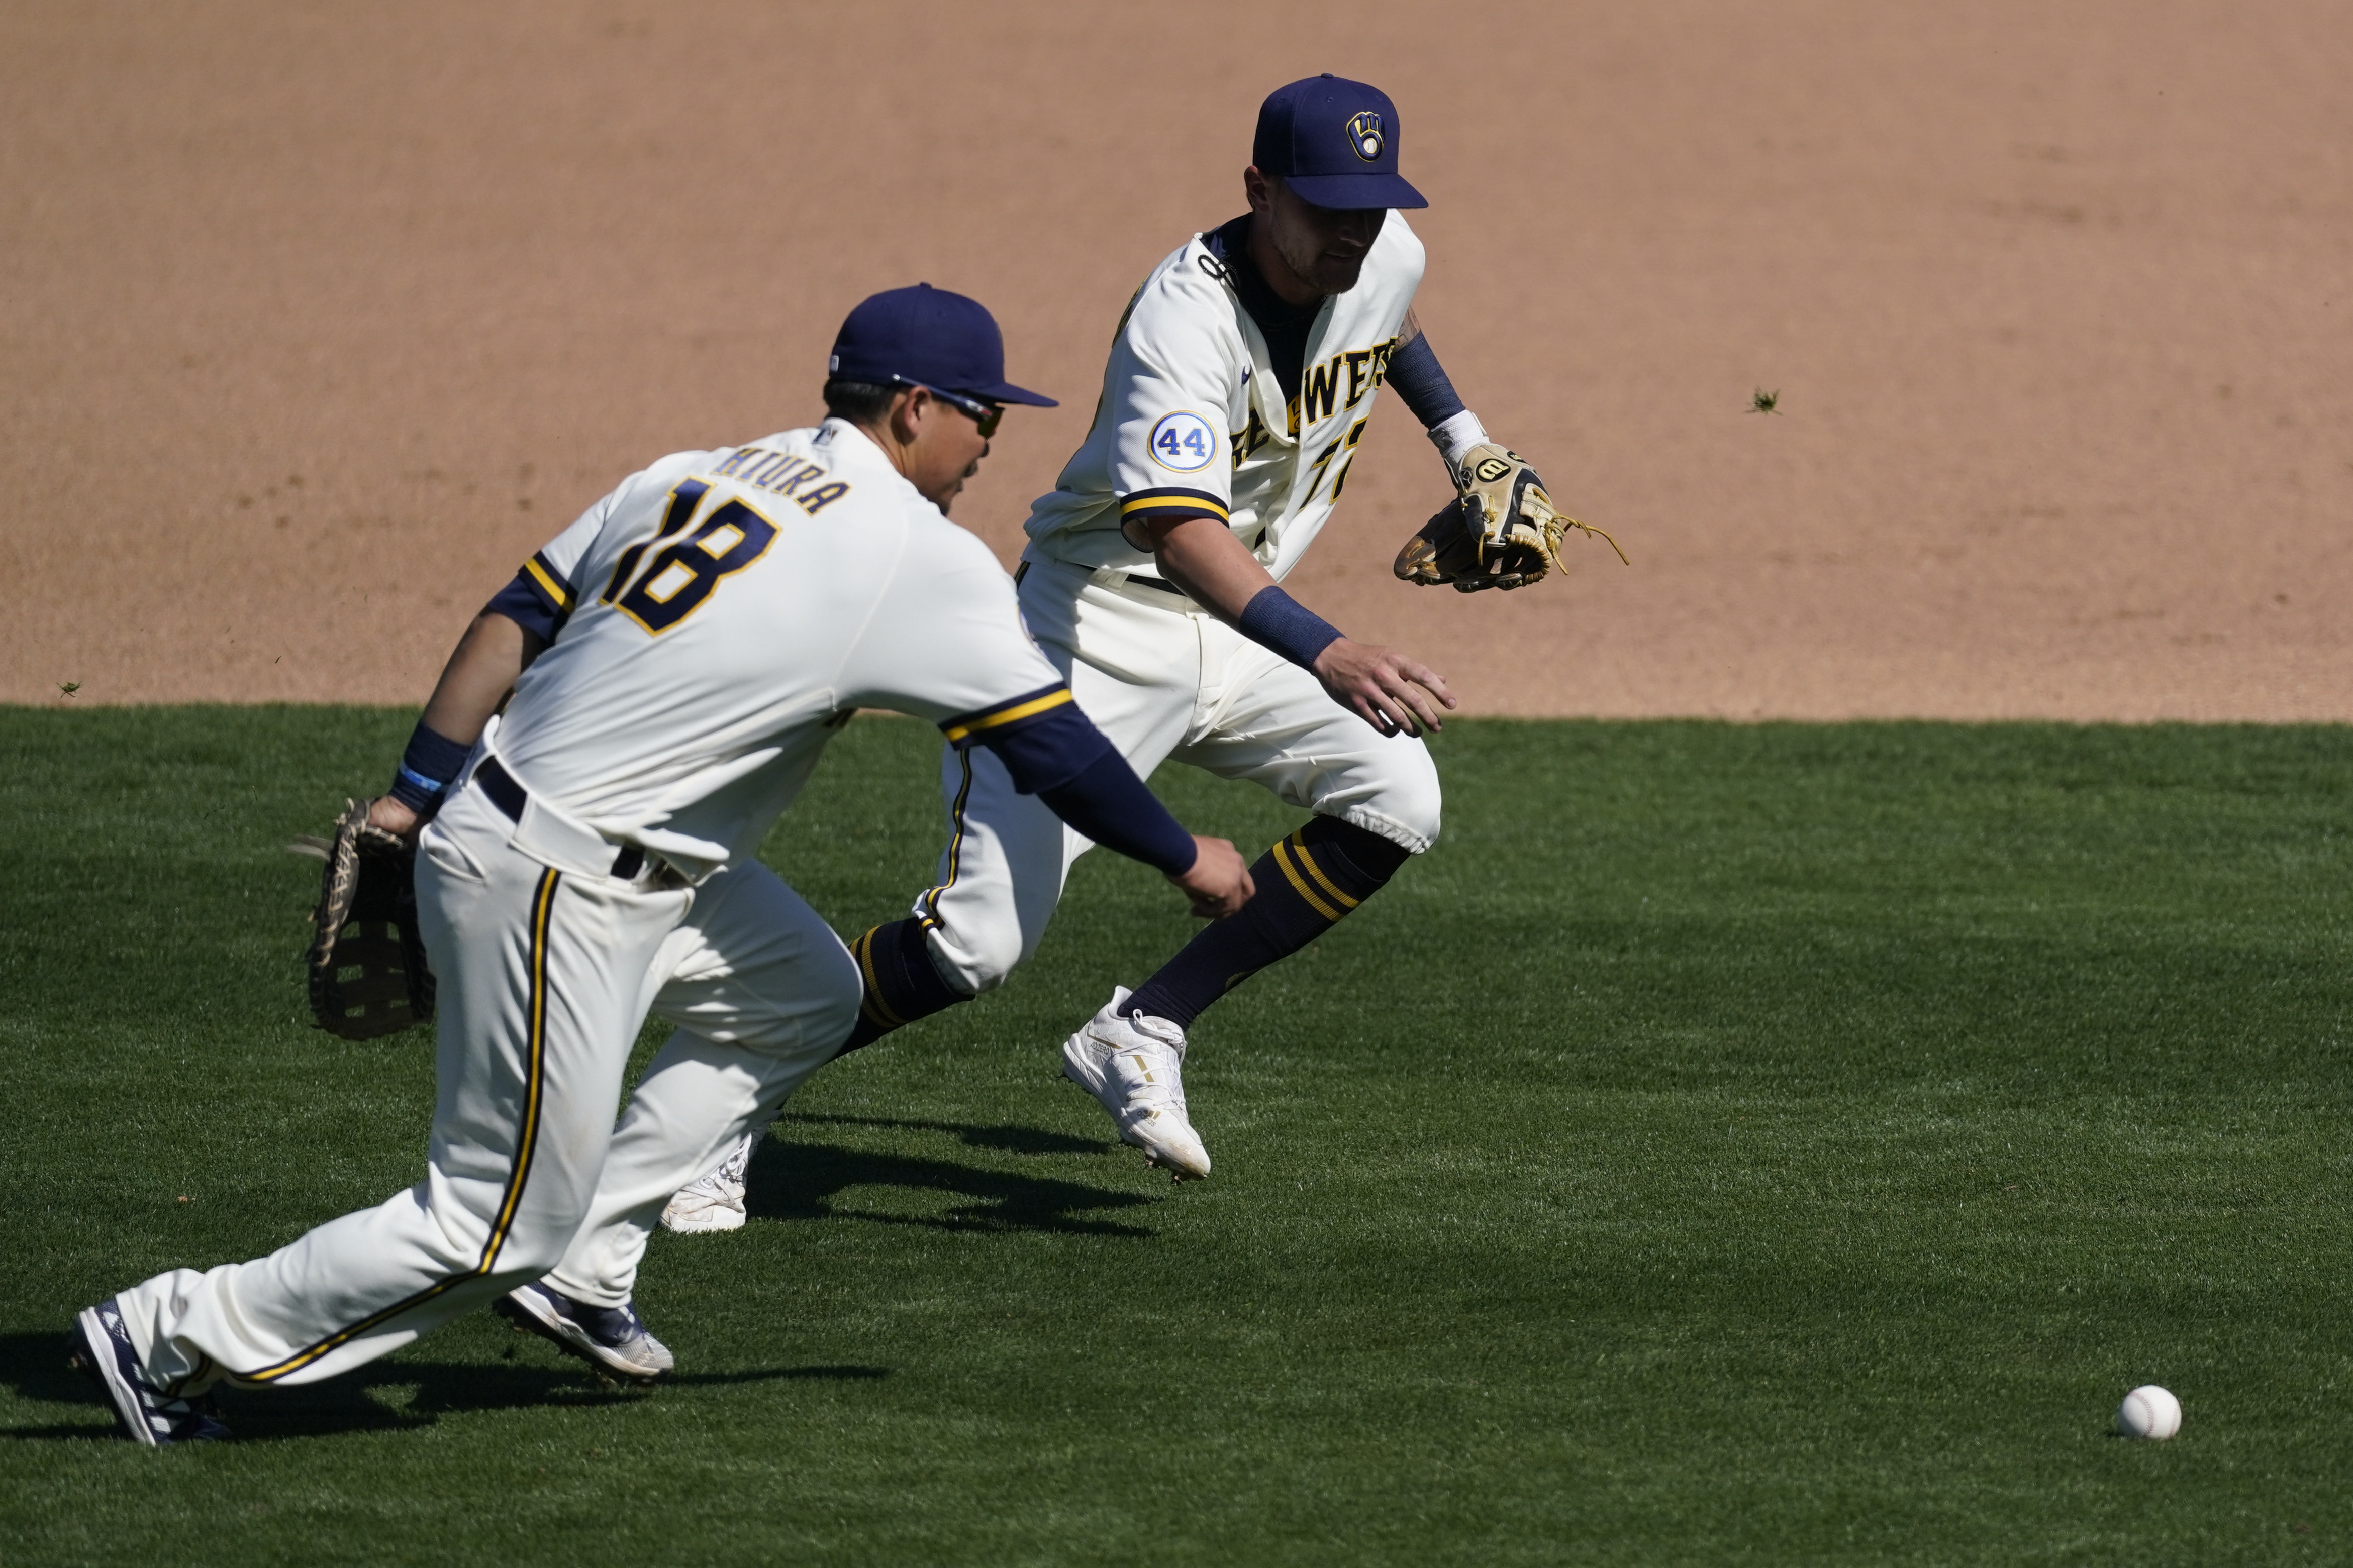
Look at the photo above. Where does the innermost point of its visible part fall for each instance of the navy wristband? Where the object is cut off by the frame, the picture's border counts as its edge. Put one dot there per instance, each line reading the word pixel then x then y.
pixel 432 760
pixel 1274 619
pixel 1422 383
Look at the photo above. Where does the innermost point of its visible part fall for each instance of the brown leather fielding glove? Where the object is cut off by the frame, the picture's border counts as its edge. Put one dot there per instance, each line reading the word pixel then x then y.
pixel 368 973
pixel 1500 530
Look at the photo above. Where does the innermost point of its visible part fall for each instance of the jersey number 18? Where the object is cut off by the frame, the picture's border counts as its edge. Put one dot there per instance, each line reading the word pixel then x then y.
pixel 686 566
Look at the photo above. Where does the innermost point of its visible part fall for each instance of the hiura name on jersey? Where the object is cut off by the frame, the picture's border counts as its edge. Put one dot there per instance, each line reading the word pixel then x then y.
pixel 779 474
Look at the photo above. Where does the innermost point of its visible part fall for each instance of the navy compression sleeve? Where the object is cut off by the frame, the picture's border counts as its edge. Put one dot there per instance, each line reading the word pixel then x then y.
pixel 1040 747
pixel 1418 378
pixel 1056 754
pixel 1109 804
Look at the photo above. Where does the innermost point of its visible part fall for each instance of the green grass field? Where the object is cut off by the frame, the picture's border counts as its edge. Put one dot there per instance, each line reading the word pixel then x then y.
pixel 1729 1145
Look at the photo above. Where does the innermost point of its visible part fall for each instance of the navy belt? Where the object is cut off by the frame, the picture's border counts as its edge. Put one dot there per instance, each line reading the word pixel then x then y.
pixel 506 792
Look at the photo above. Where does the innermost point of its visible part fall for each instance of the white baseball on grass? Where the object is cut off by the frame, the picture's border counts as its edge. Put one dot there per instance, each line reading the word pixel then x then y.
pixel 2149 1412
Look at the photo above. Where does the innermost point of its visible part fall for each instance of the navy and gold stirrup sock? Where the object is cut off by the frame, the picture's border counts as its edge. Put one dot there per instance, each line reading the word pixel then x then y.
pixel 1305 884
pixel 903 983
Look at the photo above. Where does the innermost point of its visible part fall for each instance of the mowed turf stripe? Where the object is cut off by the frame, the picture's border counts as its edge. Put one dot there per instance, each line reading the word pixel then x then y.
pixel 1777 1143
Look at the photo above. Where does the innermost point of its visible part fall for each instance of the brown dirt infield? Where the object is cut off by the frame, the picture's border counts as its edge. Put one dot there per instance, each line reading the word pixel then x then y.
pixel 319 319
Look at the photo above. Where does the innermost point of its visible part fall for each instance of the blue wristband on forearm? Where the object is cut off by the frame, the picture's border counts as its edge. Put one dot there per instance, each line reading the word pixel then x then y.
pixel 1274 619
pixel 432 760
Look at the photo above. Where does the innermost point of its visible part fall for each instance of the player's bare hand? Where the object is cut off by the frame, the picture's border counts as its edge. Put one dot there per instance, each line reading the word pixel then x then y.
pixel 1383 687
pixel 1219 882
pixel 394 817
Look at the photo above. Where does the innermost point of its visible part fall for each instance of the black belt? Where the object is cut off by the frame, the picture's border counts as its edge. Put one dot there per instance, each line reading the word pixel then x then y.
pixel 506 792
pixel 1146 580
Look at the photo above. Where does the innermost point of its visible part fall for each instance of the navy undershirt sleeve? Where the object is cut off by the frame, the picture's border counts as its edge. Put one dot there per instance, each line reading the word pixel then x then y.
pixel 1422 382
pixel 538 600
pixel 1048 749
pixel 1110 805
pixel 1057 754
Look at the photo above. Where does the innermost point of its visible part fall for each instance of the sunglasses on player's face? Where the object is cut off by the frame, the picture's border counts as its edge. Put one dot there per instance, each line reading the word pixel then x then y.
pixel 987 416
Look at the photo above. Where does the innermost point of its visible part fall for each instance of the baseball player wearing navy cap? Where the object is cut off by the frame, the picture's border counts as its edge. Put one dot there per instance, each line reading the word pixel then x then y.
pixel 929 338
pixel 1240 382
pixel 678 659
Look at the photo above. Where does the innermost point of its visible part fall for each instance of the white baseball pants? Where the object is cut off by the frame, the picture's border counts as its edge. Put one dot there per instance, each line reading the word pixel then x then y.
pixel 1161 681
pixel 546 974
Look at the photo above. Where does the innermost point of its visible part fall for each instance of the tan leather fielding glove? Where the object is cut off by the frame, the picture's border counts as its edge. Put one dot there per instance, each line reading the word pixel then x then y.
pixel 1500 530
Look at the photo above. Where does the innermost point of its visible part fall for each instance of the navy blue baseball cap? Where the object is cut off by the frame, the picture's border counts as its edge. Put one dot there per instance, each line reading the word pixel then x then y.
pixel 1334 141
pixel 943 340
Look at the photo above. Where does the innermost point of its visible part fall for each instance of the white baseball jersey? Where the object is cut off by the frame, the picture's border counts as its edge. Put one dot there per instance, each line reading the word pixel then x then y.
pixel 722 612
pixel 1193 417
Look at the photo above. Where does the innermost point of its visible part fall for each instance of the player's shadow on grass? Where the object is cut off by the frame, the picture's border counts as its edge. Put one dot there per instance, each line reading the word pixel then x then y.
pixel 1004 1137
pixel 793 1180
pixel 417 1393
pixel 434 1389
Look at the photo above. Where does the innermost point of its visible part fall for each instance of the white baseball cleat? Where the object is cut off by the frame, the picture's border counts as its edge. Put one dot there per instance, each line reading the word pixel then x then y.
pixel 1134 1065
pixel 713 1201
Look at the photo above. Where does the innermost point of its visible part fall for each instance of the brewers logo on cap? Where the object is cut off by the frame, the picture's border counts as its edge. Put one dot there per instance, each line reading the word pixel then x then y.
pixel 1365 135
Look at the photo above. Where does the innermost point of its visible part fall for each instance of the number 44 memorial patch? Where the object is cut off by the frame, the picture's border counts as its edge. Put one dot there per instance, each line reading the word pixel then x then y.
pixel 1184 442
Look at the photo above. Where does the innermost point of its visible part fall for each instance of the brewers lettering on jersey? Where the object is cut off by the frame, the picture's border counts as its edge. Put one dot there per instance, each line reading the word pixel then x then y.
pixel 1241 380
pixel 678 659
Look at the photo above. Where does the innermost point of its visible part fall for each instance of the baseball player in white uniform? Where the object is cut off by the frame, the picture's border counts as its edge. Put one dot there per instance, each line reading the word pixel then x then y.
pixel 706 629
pixel 1240 384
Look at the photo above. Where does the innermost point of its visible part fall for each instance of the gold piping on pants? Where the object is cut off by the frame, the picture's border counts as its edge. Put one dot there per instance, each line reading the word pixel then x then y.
pixel 534 1084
